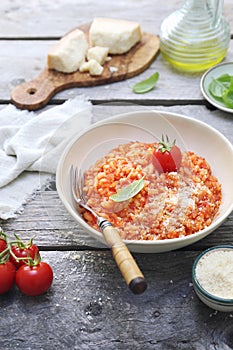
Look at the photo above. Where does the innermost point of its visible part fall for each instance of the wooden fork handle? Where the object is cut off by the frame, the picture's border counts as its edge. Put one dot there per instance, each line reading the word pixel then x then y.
pixel 124 260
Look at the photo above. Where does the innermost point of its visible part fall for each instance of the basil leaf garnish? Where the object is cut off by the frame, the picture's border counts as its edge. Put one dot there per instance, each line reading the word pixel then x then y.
pixel 146 85
pixel 128 191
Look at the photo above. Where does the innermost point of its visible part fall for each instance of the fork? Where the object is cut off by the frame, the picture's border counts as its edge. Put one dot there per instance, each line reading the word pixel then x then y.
pixel 123 258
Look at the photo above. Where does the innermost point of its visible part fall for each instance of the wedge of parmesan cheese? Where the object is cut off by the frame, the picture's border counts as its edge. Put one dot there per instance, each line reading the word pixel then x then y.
pixel 69 53
pixel 98 53
pixel 118 35
pixel 92 66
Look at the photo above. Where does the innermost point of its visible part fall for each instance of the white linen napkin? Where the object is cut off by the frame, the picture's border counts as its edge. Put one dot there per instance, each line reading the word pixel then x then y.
pixel 31 145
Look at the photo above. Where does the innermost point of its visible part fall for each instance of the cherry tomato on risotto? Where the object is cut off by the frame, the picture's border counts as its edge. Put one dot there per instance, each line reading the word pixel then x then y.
pixel 7 276
pixel 34 280
pixel 166 157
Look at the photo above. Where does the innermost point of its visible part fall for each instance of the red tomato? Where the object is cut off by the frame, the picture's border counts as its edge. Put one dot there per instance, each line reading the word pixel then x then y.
pixel 34 280
pixel 23 252
pixel 7 276
pixel 166 157
pixel 3 244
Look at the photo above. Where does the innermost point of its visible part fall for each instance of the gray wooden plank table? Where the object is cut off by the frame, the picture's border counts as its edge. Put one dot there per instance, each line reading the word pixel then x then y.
pixel 89 305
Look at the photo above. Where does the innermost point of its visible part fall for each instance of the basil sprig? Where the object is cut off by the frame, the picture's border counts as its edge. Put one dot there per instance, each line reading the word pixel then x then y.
pixel 128 191
pixel 146 85
pixel 222 89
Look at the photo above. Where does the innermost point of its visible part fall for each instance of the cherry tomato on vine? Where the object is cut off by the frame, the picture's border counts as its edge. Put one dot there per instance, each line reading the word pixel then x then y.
pixel 7 276
pixel 22 250
pixel 166 157
pixel 34 280
pixel 3 244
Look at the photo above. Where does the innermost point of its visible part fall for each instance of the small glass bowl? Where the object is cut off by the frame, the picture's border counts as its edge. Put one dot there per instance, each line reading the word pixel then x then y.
pixel 211 300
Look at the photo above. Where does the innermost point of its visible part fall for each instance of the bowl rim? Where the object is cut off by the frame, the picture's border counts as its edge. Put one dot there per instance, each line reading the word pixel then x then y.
pixel 199 289
pixel 116 118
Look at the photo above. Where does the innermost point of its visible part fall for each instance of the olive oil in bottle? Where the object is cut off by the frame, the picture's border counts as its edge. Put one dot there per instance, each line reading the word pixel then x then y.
pixel 195 37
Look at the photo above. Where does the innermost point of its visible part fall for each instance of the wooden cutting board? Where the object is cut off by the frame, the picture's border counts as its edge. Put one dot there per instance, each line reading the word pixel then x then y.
pixel 36 93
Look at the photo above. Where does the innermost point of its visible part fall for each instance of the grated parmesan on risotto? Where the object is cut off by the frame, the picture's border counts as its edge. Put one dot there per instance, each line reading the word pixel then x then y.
pixel 170 205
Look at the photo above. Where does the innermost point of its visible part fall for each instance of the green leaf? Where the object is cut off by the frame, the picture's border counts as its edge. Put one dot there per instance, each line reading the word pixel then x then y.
pixel 128 191
pixel 231 84
pixel 217 88
pixel 146 85
pixel 222 89
pixel 224 78
pixel 228 98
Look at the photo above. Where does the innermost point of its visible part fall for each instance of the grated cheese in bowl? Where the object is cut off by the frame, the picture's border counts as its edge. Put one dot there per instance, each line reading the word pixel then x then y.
pixel 213 277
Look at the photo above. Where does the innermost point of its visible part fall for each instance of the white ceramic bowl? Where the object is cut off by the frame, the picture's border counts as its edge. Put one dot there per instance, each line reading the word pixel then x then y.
pixel 190 134
pixel 207 297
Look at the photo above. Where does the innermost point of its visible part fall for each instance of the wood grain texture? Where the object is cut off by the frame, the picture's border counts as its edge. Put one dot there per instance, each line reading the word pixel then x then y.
pixel 89 306
pixel 82 310
pixel 36 93
pixel 171 88
pixel 23 60
pixel 43 19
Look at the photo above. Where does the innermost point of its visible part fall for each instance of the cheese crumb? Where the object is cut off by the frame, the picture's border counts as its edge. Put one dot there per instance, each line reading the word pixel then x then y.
pixel 92 66
pixel 214 272
pixel 113 69
pixel 98 53
pixel 84 67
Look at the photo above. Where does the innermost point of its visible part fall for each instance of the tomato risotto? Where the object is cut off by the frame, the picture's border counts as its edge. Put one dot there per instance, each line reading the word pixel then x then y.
pixel 170 204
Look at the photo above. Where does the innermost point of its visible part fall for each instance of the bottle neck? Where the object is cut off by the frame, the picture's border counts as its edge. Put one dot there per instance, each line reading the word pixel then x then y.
pixel 210 10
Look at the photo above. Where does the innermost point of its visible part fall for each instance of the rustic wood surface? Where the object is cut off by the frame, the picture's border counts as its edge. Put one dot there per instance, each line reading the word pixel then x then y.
pixel 89 305
pixel 36 93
